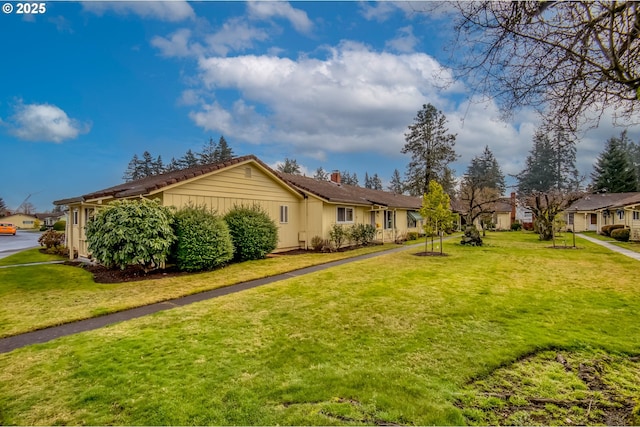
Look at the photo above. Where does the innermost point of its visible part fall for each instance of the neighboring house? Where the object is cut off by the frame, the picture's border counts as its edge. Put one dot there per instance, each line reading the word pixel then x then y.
pixel 301 207
pixel 593 211
pixel 48 219
pixel 22 221
pixel 502 212
pixel 330 202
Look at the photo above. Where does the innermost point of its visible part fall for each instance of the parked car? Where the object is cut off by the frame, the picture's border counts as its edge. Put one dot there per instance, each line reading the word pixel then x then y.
pixel 7 228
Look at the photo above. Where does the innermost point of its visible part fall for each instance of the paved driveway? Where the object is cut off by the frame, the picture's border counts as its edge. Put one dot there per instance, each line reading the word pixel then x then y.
pixel 22 240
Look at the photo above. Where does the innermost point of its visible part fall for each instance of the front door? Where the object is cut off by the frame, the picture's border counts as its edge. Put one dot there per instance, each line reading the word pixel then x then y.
pixel 593 222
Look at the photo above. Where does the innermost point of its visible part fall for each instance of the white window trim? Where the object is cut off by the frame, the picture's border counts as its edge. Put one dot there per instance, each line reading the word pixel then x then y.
pixel 636 215
pixel 393 220
pixel 346 209
pixel 76 214
pixel 284 214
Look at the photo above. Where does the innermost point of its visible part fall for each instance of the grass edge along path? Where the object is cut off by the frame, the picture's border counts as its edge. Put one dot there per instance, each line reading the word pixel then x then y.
pixel 46 334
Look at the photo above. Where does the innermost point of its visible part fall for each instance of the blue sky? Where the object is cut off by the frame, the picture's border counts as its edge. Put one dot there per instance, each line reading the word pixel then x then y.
pixel 86 85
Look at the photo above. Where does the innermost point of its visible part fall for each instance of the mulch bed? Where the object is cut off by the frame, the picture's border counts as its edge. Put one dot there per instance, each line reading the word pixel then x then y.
pixel 430 254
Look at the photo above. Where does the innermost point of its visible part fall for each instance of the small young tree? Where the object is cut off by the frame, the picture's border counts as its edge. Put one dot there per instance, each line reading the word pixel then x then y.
pixel 203 239
pixel 436 210
pixel 131 232
pixel 253 233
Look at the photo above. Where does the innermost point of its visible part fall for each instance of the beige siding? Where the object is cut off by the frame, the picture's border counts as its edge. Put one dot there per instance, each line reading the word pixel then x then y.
pixel 503 220
pixel 243 185
pixel 22 221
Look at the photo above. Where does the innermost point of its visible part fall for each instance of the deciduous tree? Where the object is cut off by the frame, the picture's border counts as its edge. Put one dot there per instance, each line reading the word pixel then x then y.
pixel 560 57
pixel 436 211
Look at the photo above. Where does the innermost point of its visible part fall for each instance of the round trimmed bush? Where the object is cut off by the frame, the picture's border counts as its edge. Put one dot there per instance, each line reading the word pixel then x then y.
pixel 203 239
pixel 131 232
pixel 253 232
pixel 60 226
pixel 621 234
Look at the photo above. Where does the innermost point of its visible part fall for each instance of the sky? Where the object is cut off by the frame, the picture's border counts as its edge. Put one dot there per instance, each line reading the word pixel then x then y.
pixel 86 85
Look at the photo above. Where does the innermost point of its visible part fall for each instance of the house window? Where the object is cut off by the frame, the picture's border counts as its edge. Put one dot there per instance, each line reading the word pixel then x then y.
pixel 372 218
pixel 75 217
pixel 636 215
pixel 389 222
pixel 412 219
pixel 570 219
pixel 284 214
pixel 620 214
pixel 344 215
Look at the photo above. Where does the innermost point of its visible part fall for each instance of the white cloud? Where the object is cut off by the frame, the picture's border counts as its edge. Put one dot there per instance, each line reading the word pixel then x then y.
pixel 405 41
pixel 353 100
pixel 172 11
pixel 270 9
pixel 177 45
pixel 235 35
pixel 44 122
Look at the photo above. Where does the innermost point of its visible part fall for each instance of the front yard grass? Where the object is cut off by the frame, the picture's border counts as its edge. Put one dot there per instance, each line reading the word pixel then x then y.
pixel 396 339
pixel 34 297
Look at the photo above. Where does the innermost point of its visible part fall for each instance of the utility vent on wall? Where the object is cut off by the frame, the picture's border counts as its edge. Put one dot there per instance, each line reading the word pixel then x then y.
pixel 247 172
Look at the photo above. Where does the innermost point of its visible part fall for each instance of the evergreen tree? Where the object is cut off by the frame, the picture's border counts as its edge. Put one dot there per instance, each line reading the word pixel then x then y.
pixel 614 170
pixel 550 165
pixel 290 166
pixel 208 154
pixel 481 187
pixel 223 152
pixel 396 184
pixel 321 175
pixel 431 149
pixel 174 165
pixel 348 179
pixel 147 164
pixel 158 166
pixel 134 170
pixel 367 181
pixel 189 160
pixel 376 182
pixel 3 207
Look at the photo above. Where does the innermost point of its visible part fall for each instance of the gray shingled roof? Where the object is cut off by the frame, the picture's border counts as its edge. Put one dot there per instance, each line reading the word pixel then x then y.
pixel 342 193
pixel 594 202
pixel 152 183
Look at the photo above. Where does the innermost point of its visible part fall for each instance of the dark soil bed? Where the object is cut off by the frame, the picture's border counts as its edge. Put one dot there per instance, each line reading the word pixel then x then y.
pixel 430 254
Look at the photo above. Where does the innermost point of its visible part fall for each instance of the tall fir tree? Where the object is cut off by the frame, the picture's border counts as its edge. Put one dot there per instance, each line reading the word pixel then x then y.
pixel 367 181
pixel 189 160
pixel 321 174
pixel 223 152
pixel 289 166
pixel 376 182
pixel 208 153
pixel 134 170
pixel 396 185
pixel 614 170
pixel 431 147
pixel 348 178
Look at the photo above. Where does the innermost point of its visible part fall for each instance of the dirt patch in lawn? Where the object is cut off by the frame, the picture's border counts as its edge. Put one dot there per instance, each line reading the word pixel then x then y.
pixel 102 274
pixel 557 388
pixel 430 254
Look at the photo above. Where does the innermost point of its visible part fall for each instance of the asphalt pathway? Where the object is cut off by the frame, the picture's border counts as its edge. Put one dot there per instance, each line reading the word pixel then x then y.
pixel 44 335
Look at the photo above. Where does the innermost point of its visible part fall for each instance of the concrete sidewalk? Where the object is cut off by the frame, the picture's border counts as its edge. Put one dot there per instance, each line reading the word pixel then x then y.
pixel 615 248
pixel 47 334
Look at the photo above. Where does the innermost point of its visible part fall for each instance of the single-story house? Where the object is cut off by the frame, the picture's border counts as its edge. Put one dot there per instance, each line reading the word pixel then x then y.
pixel 593 211
pixel 301 207
pixel 503 212
pixel 22 221
pixel 49 218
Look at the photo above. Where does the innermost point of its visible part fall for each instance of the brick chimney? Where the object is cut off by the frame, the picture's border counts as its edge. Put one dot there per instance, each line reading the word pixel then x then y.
pixel 335 177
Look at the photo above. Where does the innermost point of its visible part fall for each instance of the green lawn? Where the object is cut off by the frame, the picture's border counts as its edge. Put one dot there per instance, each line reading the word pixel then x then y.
pixel 34 297
pixel 394 339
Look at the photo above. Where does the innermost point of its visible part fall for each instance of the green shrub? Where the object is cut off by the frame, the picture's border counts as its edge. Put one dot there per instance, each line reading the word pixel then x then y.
pixel 516 226
pixel 412 235
pixel 338 235
pixel 131 232
pixel 253 232
pixel 362 234
pixel 621 234
pixel 607 229
pixel 317 243
pixel 203 239
pixel 51 239
pixel 60 226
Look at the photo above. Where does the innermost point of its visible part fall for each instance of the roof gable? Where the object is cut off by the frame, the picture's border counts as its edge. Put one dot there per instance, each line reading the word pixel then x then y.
pixel 153 184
